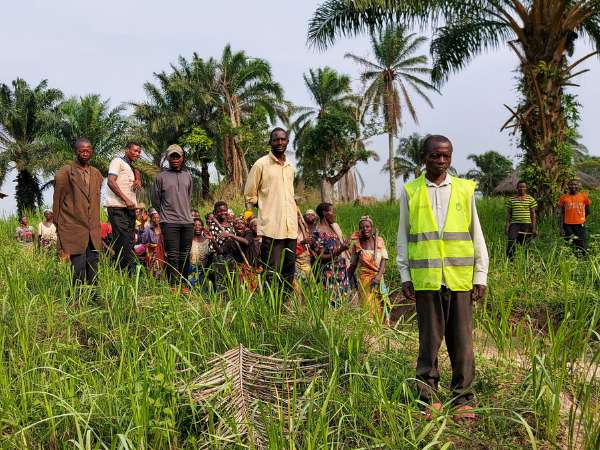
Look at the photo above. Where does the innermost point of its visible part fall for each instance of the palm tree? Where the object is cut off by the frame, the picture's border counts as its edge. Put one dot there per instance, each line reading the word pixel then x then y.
pixel 408 160
pixel 492 168
pixel 92 118
pixel 395 69
pixel 162 119
pixel 329 138
pixel 243 84
pixel 542 33
pixel 27 117
pixel 330 91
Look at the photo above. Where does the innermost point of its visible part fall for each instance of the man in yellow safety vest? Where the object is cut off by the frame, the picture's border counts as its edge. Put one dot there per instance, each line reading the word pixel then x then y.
pixel 443 263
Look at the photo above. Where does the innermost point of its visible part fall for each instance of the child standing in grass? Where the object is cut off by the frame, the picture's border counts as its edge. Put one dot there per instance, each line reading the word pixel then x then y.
pixel 368 259
pixel 200 254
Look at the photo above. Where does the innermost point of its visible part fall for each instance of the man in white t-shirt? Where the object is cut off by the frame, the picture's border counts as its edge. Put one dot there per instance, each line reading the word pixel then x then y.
pixel 121 201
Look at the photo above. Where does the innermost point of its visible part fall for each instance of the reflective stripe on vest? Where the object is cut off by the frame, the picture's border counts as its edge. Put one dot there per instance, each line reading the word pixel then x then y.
pixel 433 254
pixel 434 236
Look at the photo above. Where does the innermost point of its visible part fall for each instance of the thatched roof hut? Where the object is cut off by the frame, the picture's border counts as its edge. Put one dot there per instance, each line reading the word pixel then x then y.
pixel 509 184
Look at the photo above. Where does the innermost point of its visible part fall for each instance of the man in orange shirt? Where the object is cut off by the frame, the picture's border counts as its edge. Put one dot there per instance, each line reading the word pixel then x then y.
pixel 574 208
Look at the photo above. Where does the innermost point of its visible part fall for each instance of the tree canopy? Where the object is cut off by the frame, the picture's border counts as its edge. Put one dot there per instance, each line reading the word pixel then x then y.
pixel 492 168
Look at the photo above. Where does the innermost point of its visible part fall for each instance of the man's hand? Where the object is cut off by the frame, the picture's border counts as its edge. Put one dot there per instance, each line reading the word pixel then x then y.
pixel 63 256
pixel 478 292
pixel 129 204
pixel 408 289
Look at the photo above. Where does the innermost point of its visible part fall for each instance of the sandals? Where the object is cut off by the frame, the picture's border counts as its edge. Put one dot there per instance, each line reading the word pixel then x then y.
pixel 462 413
pixel 465 413
pixel 432 411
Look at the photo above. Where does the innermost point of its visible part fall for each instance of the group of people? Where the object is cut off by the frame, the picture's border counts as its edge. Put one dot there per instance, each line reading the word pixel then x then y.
pixel 441 251
pixel 573 210
pixel 45 237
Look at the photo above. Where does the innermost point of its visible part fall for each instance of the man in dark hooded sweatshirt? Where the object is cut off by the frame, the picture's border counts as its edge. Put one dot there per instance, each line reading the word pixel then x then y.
pixel 171 197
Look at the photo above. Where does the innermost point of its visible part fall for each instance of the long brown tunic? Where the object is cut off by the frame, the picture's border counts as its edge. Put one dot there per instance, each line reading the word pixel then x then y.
pixel 76 208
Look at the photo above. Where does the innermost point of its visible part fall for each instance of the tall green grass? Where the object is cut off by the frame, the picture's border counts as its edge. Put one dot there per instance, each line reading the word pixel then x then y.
pixel 85 371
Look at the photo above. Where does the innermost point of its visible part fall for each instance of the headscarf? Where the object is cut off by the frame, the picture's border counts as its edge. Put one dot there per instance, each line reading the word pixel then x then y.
pixel 310 211
pixel 367 219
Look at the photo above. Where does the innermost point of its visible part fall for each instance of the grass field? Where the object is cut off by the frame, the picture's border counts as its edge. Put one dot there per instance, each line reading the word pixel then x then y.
pixel 109 372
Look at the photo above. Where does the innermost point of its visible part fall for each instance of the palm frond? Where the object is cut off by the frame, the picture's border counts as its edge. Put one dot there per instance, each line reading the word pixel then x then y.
pixel 240 383
pixel 455 44
pixel 364 62
pixel 346 18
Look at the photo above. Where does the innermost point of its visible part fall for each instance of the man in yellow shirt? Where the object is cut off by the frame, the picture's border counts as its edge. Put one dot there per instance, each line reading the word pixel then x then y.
pixel 270 187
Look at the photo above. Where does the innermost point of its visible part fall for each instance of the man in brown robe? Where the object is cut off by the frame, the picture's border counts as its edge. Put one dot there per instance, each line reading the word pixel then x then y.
pixel 76 210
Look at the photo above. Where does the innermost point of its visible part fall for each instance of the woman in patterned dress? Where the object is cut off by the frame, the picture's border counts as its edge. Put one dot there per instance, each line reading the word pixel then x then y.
pixel 331 252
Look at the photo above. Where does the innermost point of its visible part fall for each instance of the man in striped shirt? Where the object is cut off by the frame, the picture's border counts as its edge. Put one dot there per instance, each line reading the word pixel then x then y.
pixel 521 218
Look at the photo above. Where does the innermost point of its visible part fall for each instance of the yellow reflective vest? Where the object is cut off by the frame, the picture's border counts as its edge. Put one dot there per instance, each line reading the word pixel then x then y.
pixel 432 252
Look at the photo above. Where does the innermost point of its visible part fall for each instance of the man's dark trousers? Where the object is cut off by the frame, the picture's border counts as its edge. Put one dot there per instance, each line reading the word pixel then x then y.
pixel 85 265
pixel 445 314
pixel 518 233
pixel 178 242
pixel 122 221
pixel 278 256
pixel 577 234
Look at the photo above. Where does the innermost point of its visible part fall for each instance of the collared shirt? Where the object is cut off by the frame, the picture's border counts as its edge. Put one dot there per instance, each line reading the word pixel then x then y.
pixel 121 168
pixel 270 186
pixel 85 174
pixel 439 197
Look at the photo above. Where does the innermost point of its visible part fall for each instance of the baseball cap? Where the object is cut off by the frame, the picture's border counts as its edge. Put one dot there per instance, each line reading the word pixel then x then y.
pixel 174 149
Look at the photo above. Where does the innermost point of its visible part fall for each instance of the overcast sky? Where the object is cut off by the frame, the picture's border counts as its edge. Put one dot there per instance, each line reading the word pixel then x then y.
pixel 113 47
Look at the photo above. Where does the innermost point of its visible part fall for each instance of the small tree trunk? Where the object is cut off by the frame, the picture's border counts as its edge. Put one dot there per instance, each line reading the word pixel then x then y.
pixel 392 167
pixel 326 190
pixel 232 163
pixel 205 177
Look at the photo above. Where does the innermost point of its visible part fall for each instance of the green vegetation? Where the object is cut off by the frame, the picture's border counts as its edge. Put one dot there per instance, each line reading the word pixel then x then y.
pixel 329 138
pixel 492 168
pixel 542 33
pixel 87 372
pixel 395 70
pixel 27 117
